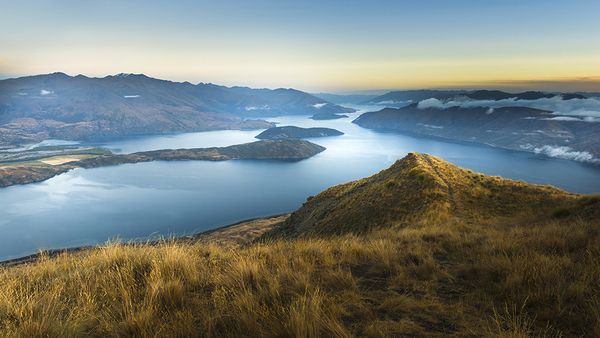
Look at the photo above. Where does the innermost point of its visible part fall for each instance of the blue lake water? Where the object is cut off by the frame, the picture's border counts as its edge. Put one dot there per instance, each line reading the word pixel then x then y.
pixel 136 201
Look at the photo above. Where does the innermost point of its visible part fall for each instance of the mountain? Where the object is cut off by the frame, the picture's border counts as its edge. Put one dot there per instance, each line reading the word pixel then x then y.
pixel 497 95
pixel 421 249
pixel 292 132
pixel 277 102
pixel 516 128
pixel 59 106
pixel 404 97
pixel 345 98
pixel 419 187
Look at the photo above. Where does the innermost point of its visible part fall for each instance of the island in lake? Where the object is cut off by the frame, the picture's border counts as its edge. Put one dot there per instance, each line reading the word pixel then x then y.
pixel 13 173
pixel 328 116
pixel 292 132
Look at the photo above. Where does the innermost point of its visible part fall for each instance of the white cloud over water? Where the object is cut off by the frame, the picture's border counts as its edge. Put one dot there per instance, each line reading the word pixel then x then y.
pixel 564 152
pixel 563 118
pixel 435 103
pixel 587 110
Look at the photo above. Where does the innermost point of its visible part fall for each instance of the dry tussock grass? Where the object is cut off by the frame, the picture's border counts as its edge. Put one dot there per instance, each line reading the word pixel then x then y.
pixel 438 279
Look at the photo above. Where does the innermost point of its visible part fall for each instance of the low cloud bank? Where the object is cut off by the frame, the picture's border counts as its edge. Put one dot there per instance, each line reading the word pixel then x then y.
pixel 563 152
pixel 587 110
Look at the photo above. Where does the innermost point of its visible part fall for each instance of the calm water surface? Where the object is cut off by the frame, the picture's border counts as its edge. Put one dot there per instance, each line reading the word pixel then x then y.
pixel 143 200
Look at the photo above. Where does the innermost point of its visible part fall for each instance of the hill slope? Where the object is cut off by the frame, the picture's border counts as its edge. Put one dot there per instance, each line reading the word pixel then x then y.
pixel 516 128
pixel 293 132
pixel 421 249
pixel 421 188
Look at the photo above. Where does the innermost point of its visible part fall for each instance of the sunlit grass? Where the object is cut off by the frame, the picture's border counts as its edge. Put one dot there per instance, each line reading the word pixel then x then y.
pixel 437 279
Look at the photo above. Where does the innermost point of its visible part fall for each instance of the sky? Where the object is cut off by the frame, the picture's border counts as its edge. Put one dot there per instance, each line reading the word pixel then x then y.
pixel 327 46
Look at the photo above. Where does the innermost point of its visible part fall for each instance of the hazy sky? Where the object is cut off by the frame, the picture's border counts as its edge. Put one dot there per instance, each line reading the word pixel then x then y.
pixel 311 45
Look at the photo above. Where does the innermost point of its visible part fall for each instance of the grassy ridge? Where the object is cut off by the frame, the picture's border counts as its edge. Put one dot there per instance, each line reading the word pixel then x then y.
pixel 526 270
pixel 422 189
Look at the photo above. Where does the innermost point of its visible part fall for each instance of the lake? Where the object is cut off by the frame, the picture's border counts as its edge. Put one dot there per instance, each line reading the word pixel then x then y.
pixel 147 200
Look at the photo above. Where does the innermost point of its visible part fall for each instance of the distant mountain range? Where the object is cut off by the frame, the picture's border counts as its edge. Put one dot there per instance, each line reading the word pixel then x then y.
pixel 345 98
pixel 517 128
pixel 57 105
pixel 405 97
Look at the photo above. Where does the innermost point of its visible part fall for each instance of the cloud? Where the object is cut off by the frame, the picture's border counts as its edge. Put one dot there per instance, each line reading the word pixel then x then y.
pixel 566 153
pixel 46 92
pixel 433 103
pixel 430 126
pixel 587 109
pixel 384 102
pixel 563 118
pixel 264 107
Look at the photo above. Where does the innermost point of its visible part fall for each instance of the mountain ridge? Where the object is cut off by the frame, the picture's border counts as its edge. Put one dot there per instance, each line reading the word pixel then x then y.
pixel 401 97
pixel 516 128
pixel 57 105
pixel 416 188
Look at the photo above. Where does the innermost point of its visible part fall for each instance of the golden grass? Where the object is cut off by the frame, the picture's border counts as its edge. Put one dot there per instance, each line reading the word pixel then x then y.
pixel 62 159
pixel 441 279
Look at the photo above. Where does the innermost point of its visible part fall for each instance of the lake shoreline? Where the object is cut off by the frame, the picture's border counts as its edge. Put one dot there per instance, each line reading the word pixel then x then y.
pixel 286 149
pixel 418 135
pixel 197 237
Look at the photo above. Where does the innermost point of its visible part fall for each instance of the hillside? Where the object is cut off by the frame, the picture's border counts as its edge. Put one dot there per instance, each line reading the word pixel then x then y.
pixel 423 248
pixel 60 106
pixel 515 128
pixel 328 116
pixel 420 188
pixel 293 132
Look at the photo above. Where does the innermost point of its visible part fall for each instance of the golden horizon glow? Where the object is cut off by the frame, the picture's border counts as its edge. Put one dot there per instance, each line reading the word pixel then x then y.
pixel 272 44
